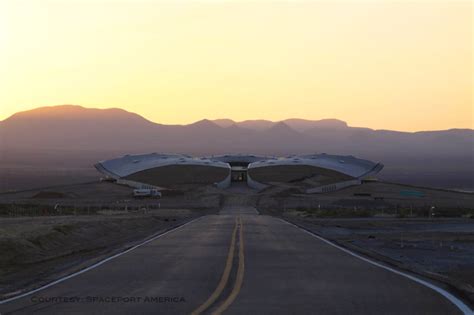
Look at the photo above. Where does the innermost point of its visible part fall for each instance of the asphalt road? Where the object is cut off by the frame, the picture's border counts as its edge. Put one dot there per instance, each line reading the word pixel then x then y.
pixel 235 263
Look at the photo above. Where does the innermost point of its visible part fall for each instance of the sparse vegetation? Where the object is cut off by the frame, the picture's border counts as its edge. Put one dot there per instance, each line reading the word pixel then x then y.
pixel 35 247
pixel 395 213
pixel 33 210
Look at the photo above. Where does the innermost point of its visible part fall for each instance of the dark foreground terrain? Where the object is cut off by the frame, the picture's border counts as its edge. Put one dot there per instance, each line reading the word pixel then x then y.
pixel 274 268
pixel 232 258
pixel 34 249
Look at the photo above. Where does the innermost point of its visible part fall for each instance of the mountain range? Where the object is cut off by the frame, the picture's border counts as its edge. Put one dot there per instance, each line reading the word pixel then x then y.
pixel 70 136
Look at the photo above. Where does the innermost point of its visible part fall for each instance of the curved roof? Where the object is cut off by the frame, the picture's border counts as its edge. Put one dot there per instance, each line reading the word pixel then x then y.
pixel 248 158
pixel 345 164
pixel 130 164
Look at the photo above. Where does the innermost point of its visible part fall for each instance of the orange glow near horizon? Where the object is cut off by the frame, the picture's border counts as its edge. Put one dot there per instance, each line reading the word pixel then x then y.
pixel 400 65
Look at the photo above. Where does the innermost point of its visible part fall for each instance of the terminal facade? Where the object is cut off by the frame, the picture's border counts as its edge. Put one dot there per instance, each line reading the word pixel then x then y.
pixel 315 173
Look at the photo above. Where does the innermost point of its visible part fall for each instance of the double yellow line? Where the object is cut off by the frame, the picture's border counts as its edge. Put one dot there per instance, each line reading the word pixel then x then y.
pixel 225 275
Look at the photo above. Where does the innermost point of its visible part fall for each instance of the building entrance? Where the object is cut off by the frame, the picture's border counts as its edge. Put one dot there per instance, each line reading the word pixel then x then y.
pixel 239 174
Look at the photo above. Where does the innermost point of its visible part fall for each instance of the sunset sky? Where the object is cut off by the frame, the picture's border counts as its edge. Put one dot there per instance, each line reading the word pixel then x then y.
pixel 401 65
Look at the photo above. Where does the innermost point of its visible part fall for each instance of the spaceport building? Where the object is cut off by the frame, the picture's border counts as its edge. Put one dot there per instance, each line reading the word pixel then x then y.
pixel 316 173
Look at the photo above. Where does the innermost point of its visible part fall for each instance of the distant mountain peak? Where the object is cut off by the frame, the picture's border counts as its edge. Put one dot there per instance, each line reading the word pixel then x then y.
pixel 204 123
pixel 225 122
pixel 281 127
pixel 304 124
pixel 297 124
pixel 255 124
pixel 68 113
pixel 331 122
pixel 55 110
pixel 77 113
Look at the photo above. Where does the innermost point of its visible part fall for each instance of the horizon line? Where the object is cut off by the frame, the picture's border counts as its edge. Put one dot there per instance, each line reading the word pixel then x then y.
pixel 226 118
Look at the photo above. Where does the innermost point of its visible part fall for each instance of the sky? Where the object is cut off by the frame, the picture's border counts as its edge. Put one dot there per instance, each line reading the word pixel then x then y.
pixel 400 65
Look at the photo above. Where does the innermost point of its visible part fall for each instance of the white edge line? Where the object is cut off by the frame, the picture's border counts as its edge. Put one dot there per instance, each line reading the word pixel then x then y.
pixel 97 264
pixel 457 302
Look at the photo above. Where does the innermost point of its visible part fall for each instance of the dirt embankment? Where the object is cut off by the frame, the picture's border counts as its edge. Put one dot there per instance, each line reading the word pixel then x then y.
pixel 35 250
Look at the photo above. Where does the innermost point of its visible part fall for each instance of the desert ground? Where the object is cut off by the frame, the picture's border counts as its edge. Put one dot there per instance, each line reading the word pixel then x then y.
pixel 53 231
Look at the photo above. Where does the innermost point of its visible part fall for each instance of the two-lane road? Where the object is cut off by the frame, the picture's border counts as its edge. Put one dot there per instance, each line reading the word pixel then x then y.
pixel 282 270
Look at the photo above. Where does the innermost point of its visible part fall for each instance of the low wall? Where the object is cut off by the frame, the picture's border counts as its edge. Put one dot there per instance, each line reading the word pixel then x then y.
pixel 137 185
pixel 254 184
pixel 225 183
pixel 333 187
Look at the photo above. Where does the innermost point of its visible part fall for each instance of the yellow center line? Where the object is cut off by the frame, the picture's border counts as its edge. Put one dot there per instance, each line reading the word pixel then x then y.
pixel 225 275
pixel 240 275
